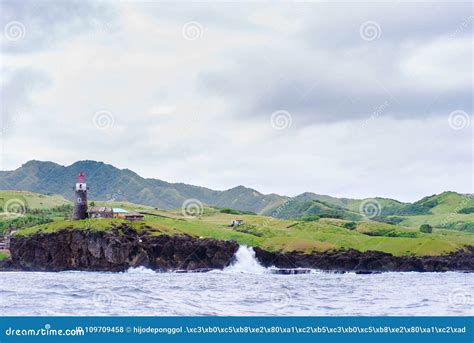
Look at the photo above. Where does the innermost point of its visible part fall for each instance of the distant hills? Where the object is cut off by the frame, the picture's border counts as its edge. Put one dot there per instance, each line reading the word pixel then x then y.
pixel 107 182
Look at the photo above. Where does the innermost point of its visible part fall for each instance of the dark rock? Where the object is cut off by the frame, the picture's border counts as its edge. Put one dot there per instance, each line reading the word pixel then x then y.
pixel 199 270
pixel 369 261
pixel 366 272
pixel 290 271
pixel 117 250
pixel 123 247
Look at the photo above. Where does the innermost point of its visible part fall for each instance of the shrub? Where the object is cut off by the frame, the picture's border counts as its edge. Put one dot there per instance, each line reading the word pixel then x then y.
pixel 330 215
pixel 467 210
pixel 426 228
pixel 350 225
pixel 310 218
pixel 394 220
pixel 236 212
pixel 401 234
pixel 23 222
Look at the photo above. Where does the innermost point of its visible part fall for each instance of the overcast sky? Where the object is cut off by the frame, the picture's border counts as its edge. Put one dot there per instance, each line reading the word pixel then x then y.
pixel 353 100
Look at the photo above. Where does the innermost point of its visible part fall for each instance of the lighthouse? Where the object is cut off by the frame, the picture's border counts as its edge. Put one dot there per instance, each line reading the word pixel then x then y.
pixel 80 198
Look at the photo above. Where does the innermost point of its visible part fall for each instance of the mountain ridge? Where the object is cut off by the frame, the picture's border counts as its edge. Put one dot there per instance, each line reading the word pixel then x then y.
pixel 108 182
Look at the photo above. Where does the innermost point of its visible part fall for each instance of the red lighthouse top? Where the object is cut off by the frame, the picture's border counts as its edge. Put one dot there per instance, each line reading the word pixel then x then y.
pixel 81 178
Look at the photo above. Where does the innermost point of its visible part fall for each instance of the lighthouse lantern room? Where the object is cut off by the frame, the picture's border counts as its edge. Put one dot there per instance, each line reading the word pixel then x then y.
pixel 80 198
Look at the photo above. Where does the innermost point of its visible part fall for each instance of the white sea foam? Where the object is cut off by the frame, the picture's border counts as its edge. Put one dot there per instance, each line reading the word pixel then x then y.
pixel 246 262
pixel 140 270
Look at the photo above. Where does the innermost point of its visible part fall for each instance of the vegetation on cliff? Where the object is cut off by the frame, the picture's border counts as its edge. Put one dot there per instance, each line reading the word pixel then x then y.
pixel 324 234
pixel 326 224
pixel 447 210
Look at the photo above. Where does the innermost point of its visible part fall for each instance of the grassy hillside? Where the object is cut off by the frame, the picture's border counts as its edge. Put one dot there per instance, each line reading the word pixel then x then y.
pixel 107 182
pixel 32 200
pixel 283 235
pixel 388 206
pixel 15 203
pixel 25 209
pixel 300 208
pixel 446 210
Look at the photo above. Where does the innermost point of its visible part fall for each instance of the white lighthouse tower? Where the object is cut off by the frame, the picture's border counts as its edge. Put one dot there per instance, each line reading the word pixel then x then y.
pixel 80 198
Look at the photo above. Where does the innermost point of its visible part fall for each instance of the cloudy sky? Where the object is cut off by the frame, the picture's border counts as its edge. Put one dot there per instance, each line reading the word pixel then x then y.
pixel 352 100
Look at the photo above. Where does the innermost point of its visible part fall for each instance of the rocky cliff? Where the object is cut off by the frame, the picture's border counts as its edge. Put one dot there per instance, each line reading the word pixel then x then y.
pixel 117 250
pixel 123 247
pixel 369 261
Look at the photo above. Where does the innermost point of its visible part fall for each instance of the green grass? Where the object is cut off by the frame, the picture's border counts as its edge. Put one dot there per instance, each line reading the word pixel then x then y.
pixel 33 200
pixel 4 255
pixel 451 202
pixel 437 220
pixel 282 235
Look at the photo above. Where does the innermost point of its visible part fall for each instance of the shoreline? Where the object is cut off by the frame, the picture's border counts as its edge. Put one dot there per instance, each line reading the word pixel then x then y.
pixel 123 248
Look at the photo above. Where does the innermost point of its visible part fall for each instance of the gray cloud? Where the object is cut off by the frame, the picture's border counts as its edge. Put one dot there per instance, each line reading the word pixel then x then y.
pixel 327 72
pixel 363 112
pixel 15 94
pixel 47 23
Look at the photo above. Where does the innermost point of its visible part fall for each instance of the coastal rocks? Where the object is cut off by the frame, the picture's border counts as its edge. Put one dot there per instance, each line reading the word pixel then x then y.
pixel 122 247
pixel 117 250
pixel 369 261
pixel 188 253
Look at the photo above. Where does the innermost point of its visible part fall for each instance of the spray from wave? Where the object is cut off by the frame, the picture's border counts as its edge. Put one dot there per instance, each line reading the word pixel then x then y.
pixel 140 270
pixel 246 262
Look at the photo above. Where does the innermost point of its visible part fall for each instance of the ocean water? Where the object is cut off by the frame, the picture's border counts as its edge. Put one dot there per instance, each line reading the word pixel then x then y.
pixel 245 289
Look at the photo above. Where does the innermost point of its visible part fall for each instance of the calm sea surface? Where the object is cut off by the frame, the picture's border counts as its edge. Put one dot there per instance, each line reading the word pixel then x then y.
pixel 244 289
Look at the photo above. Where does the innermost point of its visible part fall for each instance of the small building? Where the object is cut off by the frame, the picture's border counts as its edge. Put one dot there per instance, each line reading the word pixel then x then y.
pixel 119 212
pixel 100 212
pixel 133 216
pixel 237 222
pixel 124 214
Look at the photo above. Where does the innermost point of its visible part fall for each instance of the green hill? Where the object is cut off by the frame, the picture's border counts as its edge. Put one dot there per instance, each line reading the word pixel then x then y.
pixel 47 213
pixel 24 209
pixel 448 210
pixel 29 200
pixel 109 183
pixel 300 208
pixel 283 235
